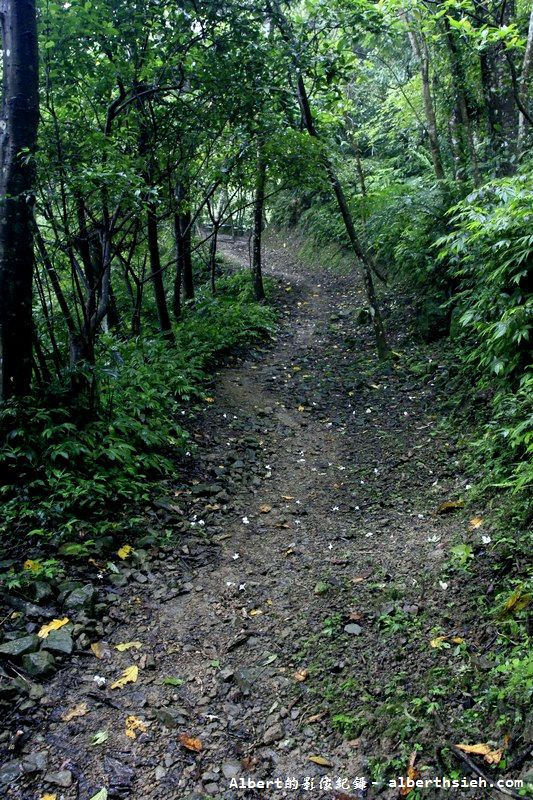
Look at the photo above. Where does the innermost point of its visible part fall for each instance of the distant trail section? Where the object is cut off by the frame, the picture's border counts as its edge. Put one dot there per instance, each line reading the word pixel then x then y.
pixel 310 511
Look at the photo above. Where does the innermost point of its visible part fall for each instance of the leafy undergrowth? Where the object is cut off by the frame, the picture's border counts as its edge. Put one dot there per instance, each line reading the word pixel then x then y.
pixel 68 475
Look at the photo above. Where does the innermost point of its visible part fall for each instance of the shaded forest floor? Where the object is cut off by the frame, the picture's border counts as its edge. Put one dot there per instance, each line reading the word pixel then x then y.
pixel 287 634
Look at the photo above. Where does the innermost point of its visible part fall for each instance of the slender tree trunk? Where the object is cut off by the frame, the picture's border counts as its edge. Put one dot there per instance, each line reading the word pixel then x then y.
pixel 18 136
pixel 156 274
pixel 259 202
pixel 185 240
pixel 213 257
pixel 365 260
pixel 523 85
pixel 421 54
pixel 459 82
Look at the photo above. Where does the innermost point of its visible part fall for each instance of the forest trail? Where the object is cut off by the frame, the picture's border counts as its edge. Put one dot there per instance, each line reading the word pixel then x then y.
pixel 312 534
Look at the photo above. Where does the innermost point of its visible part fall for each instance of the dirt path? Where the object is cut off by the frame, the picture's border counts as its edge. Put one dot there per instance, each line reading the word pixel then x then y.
pixel 303 590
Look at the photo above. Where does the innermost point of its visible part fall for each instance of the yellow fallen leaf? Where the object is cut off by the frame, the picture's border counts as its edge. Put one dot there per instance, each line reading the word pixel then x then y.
pixel 450 505
pixel 127 646
pixel 265 508
pixel 301 675
pixel 32 566
pixel 439 641
pixel 287 497
pixel 190 742
pixel 255 612
pixel 52 626
pixel 129 675
pixel 124 551
pixel 457 639
pixel 134 724
pixel 490 755
pixel 209 399
pixel 475 523
pixel 517 601
pixel 49 796
pixel 301 408
pixel 78 711
pixel 320 760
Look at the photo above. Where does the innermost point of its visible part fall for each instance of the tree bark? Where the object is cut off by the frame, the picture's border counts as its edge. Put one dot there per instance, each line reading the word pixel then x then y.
pixel 18 137
pixel 185 240
pixel 259 203
pixel 421 54
pixel 156 274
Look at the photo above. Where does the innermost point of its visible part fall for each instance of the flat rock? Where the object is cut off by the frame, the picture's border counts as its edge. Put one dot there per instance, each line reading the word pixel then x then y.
pixel 62 778
pixel 40 663
pixel 59 641
pixel 354 629
pixel 273 734
pixel 17 648
pixel 82 597
pixel 9 772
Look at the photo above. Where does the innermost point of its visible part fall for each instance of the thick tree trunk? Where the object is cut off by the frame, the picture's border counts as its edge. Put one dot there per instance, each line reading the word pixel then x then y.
pixel 365 260
pixel 156 274
pixel 259 203
pixel 18 136
pixel 421 54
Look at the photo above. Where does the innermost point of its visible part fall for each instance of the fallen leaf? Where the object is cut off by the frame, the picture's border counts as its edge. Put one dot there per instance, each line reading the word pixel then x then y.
pixel 301 408
pixel 173 681
pixel 320 760
pixel 190 742
pixel 490 755
pixel 78 711
pixel 49 797
pixel 124 551
pixel 32 566
pixel 287 497
pixel 129 675
pixel 101 649
pixel 101 795
pixel 517 601
pixel 52 626
pixel 412 773
pixel 99 738
pixel 301 675
pixel 316 717
pixel 439 641
pixel 475 523
pixel 255 612
pixel 209 399
pixel 282 525
pixel 127 646
pixel 265 508
pixel 450 505
pixel 134 724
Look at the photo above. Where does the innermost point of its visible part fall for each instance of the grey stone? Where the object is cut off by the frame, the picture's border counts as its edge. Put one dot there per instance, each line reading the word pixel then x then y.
pixel 35 761
pixel 83 597
pixel 59 641
pixel 9 772
pixel 354 629
pixel 170 719
pixel 273 734
pixel 160 773
pixel 19 647
pixel 62 778
pixel 40 663
pixel 230 769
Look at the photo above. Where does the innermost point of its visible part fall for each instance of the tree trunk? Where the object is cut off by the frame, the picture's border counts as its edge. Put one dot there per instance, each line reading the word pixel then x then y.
pixel 459 82
pixel 366 263
pixel 18 136
pixel 156 274
pixel 421 54
pixel 213 257
pixel 259 202
pixel 185 240
pixel 523 85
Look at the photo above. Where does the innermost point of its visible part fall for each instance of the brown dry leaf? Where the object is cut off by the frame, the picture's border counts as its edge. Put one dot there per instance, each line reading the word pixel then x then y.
pixel 129 675
pixel 321 761
pixel 127 646
pixel 101 649
pixel 265 508
pixel 134 724
pixel 209 399
pixel 191 742
pixel 475 523
pixel 52 626
pixel 490 755
pixel 316 717
pixel 450 505
pixel 301 675
pixel 248 762
pixel 355 616
pixel 282 525
pixel 78 711
pixel 414 774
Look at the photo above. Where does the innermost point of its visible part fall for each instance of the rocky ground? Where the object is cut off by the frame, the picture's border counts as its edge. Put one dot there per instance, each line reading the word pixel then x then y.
pixel 287 634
